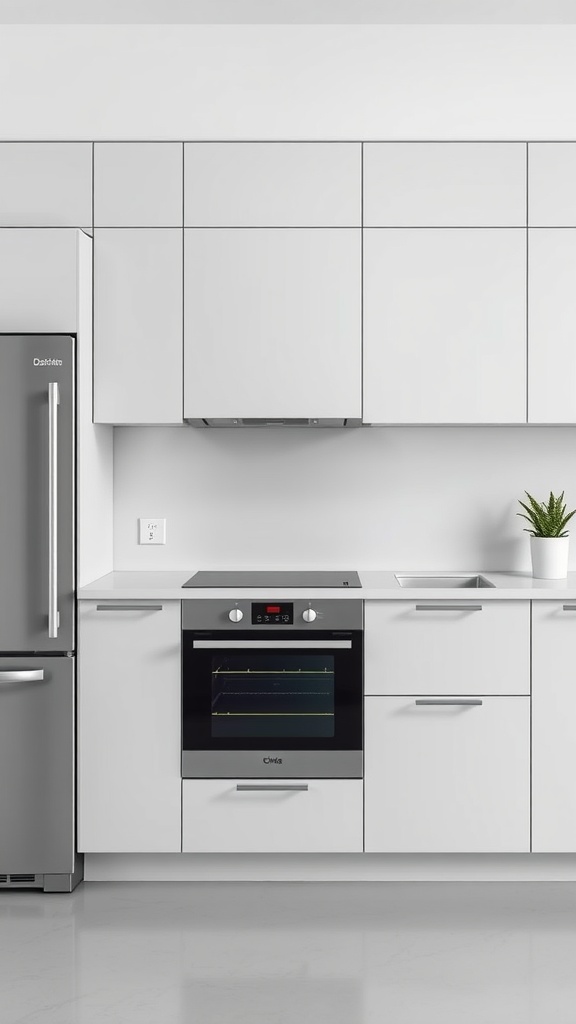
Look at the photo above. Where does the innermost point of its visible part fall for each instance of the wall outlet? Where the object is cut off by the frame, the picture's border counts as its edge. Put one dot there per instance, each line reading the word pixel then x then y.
pixel 152 531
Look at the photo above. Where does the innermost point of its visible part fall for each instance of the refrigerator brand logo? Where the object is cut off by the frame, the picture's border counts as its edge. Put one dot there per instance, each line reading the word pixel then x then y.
pixel 47 362
pixel 272 760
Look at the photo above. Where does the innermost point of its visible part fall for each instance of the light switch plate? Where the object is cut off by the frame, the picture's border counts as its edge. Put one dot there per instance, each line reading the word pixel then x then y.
pixel 152 531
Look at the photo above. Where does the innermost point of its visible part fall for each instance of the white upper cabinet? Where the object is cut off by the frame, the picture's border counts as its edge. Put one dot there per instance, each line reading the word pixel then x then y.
pixel 444 325
pixel 444 184
pixel 272 323
pixel 138 184
pixel 46 184
pixel 552 325
pixel 552 184
pixel 39 275
pixel 272 184
pixel 137 325
pixel 552 282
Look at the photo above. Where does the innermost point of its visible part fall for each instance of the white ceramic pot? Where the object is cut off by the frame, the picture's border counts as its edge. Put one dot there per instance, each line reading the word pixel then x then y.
pixel 549 557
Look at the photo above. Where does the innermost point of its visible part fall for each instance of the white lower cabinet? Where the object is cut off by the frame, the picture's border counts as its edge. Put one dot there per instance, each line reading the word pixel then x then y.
pixel 129 784
pixel 553 718
pixel 320 816
pixel 447 778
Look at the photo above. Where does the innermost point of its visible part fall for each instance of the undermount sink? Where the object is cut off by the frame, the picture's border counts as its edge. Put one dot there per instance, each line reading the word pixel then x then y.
pixel 468 582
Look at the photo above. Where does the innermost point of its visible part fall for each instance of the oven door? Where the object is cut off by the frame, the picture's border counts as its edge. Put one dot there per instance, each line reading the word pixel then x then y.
pixel 271 706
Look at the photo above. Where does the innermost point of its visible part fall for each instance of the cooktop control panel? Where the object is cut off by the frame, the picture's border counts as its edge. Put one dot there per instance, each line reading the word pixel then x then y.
pixel 273 614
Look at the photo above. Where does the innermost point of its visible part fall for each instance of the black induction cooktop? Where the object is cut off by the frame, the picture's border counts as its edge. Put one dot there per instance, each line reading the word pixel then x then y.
pixel 272 579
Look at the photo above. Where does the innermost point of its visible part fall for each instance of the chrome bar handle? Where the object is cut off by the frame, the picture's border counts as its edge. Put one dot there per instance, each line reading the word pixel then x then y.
pixel 569 607
pixel 466 703
pixel 129 607
pixel 26 675
pixel 271 645
pixel 53 614
pixel 292 787
pixel 448 607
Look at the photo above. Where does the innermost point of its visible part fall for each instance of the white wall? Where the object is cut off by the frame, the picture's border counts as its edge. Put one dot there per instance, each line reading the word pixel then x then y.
pixel 403 497
pixel 287 81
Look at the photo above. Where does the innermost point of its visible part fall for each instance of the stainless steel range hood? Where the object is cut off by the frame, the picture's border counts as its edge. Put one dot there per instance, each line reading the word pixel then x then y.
pixel 288 422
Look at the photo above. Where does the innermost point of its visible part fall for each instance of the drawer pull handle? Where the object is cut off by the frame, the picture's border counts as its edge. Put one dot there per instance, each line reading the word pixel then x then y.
pixel 448 607
pixel 569 607
pixel 129 607
pixel 467 703
pixel 249 787
pixel 24 675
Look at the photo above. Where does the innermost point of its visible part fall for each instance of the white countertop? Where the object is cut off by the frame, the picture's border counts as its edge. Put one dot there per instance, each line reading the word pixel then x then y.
pixel 376 585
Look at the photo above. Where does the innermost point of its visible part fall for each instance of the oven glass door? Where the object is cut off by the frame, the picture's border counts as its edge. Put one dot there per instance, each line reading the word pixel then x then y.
pixel 242 692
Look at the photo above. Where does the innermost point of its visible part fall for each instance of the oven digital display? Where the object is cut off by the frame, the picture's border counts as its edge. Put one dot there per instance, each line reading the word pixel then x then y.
pixel 267 613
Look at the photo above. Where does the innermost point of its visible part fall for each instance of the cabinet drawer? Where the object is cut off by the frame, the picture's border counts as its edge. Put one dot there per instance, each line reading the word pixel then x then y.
pixel 425 647
pixel 449 778
pixel 326 817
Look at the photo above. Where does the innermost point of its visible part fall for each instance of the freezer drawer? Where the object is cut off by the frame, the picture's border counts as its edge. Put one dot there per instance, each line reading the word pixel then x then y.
pixel 36 765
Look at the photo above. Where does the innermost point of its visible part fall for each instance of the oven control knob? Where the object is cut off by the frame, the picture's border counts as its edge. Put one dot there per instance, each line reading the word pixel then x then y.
pixel 235 614
pixel 309 615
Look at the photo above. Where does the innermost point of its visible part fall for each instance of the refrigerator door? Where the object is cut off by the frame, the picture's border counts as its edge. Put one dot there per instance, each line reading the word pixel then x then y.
pixel 36 765
pixel 36 492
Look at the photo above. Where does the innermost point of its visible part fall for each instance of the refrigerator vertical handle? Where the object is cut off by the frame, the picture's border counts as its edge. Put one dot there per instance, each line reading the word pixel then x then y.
pixel 53 616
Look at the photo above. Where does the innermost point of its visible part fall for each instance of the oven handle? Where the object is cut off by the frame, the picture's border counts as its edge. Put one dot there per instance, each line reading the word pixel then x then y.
pixel 278 645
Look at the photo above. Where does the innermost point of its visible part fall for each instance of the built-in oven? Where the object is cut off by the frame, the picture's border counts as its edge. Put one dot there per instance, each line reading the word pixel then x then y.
pixel 272 689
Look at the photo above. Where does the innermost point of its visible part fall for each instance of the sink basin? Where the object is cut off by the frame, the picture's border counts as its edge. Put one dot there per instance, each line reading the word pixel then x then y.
pixel 460 581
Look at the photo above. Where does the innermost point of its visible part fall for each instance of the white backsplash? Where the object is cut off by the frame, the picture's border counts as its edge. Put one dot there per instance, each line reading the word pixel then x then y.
pixel 397 497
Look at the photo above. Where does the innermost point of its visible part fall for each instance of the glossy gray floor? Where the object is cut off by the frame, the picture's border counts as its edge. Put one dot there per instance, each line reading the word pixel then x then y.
pixel 290 953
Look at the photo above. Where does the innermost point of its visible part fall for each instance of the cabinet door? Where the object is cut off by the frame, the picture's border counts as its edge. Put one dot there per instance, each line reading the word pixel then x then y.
pixel 129 727
pixel 551 325
pixel 445 184
pixel 552 184
pixel 283 816
pixel 447 647
pixel 273 184
pixel 138 325
pixel 272 323
pixel 138 184
pixel 447 778
pixel 46 184
pixel 553 735
pixel 444 325
pixel 39 275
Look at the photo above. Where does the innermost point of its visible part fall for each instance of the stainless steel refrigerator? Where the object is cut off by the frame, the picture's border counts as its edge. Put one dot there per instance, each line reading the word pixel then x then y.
pixel 37 612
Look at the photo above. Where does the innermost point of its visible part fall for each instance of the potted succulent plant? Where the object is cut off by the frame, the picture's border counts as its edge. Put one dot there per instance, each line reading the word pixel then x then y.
pixel 549 538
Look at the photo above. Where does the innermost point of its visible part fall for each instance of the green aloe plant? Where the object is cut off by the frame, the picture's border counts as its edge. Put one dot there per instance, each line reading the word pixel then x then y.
pixel 546 519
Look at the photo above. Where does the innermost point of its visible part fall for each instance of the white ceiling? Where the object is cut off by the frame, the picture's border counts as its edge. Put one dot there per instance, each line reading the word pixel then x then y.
pixel 293 12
